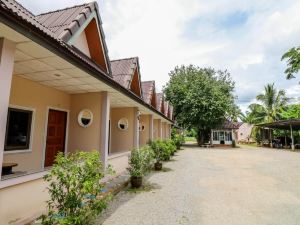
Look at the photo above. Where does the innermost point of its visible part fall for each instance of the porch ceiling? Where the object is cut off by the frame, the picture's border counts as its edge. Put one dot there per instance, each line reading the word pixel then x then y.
pixel 36 63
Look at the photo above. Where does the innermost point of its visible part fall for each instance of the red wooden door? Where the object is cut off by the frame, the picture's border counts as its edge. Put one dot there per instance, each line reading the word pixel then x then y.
pixel 56 135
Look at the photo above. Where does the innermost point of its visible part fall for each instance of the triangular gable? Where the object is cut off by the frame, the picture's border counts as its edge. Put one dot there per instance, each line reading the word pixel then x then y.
pixel 166 109
pixel 160 102
pixel 153 97
pixel 127 73
pixel 149 93
pixel 81 27
pixel 135 85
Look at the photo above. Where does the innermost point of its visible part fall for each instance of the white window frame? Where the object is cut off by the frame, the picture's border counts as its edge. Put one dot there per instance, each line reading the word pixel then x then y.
pixel 29 150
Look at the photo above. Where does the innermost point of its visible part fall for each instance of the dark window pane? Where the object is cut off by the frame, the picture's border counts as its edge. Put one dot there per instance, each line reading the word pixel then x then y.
pixel 18 129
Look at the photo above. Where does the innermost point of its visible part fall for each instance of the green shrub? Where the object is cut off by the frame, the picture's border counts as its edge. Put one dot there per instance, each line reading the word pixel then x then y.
pixel 74 188
pixel 140 161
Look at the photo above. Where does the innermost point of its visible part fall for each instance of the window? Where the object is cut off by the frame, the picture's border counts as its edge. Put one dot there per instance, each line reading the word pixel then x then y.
pixel 215 136
pixel 228 136
pixel 18 129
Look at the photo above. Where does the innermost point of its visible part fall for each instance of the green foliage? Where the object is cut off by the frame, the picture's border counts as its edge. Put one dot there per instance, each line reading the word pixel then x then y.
pixel 178 140
pixel 163 149
pixel 291 112
pixel 272 102
pixel 293 62
pixel 256 134
pixel 74 188
pixel 140 161
pixel 202 98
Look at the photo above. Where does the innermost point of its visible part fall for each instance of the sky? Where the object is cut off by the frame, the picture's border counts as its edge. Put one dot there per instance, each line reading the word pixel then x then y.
pixel 245 37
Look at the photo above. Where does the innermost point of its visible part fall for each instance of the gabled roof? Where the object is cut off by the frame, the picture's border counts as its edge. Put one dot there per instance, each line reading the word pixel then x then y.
pixel 65 23
pixel 160 102
pixel 14 15
pixel 230 125
pixel 148 88
pixel 166 108
pixel 124 72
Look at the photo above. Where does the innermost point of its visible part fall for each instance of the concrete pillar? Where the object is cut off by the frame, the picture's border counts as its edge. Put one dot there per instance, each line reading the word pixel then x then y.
pixel 105 127
pixel 7 56
pixel 159 129
pixel 151 130
pixel 136 132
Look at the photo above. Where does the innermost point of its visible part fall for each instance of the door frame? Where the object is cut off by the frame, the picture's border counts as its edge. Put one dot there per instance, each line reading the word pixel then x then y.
pixel 46 131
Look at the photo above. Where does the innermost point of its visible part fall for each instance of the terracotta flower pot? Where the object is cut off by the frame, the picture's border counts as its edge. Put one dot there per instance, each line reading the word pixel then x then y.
pixel 136 182
pixel 158 166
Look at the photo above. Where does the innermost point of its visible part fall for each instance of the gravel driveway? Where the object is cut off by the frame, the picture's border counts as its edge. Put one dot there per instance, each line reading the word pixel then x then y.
pixel 216 187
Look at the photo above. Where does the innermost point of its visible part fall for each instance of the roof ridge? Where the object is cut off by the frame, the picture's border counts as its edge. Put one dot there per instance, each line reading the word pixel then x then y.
pixel 148 81
pixel 66 8
pixel 114 60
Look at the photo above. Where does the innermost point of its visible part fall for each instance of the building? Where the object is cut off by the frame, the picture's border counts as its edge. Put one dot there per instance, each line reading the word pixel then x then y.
pixel 61 92
pixel 225 134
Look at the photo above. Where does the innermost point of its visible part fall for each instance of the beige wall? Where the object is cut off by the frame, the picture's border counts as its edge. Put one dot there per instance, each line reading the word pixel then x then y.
pixel 156 128
pixel 145 134
pixel 85 139
pixel 26 93
pixel 22 201
pixel 121 140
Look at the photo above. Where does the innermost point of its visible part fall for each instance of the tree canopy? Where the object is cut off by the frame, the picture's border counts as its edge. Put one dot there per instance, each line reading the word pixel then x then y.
pixel 293 62
pixel 202 98
pixel 271 104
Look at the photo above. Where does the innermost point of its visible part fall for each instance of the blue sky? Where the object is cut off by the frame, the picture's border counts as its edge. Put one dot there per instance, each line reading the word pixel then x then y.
pixel 246 37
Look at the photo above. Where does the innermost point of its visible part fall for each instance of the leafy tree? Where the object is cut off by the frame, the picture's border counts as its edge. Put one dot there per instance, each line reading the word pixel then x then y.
pixel 202 98
pixel 270 106
pixel 293 62
pixel 291 112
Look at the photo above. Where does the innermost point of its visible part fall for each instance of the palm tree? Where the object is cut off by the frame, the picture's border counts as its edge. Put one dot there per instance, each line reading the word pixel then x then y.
pixel 271 103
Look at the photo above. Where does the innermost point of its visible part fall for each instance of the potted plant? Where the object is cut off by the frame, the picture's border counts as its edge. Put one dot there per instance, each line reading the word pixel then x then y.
pixel 140 161
pixel 157 149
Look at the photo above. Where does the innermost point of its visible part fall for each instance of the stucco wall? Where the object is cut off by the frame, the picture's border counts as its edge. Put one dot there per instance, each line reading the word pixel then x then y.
pixel 80 138
pixel 164 128
pixel 26 93
pixel 121 140
pixel 22 201
pixel 145 134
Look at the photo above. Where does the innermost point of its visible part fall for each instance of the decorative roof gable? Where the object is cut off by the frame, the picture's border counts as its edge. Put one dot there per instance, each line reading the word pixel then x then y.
pixel 149 93
pixel 70 24
pixel 160 102
pixel 126 72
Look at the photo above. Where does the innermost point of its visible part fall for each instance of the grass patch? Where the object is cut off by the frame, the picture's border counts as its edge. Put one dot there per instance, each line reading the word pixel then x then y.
pixel 248 145
pixel 146 187
pixel 190 139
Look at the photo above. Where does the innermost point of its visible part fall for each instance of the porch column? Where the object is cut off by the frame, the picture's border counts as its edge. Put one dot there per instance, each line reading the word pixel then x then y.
pixel 7 56
pixel 151 127
pixel 292 137
pixel 158 129
pixel 105 127
pixel 136 132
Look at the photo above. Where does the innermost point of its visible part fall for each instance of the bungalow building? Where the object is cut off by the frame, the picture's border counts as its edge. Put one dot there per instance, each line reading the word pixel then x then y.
pixel 61 93
pixel 225 134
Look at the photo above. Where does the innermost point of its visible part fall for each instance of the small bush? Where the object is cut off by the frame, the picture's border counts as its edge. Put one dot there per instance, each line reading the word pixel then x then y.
pixel 140 161
pixel 74 188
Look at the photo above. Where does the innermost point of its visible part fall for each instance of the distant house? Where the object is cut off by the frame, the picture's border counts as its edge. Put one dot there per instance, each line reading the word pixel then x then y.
pixel 225 134
pixel 244 133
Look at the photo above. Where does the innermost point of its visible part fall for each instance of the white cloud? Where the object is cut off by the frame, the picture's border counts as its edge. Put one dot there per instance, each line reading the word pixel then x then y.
pixel 173 32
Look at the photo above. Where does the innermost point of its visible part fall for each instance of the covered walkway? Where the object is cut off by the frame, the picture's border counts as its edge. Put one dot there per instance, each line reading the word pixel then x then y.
pixel 289 126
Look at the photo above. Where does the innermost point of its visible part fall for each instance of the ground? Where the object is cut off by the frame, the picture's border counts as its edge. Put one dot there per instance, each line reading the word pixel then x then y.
pixel 216 187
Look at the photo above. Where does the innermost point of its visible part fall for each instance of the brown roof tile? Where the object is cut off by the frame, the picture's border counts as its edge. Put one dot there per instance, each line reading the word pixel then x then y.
pixel 147 88
pixel 159 99
pixel 65 22
pixel 123 70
